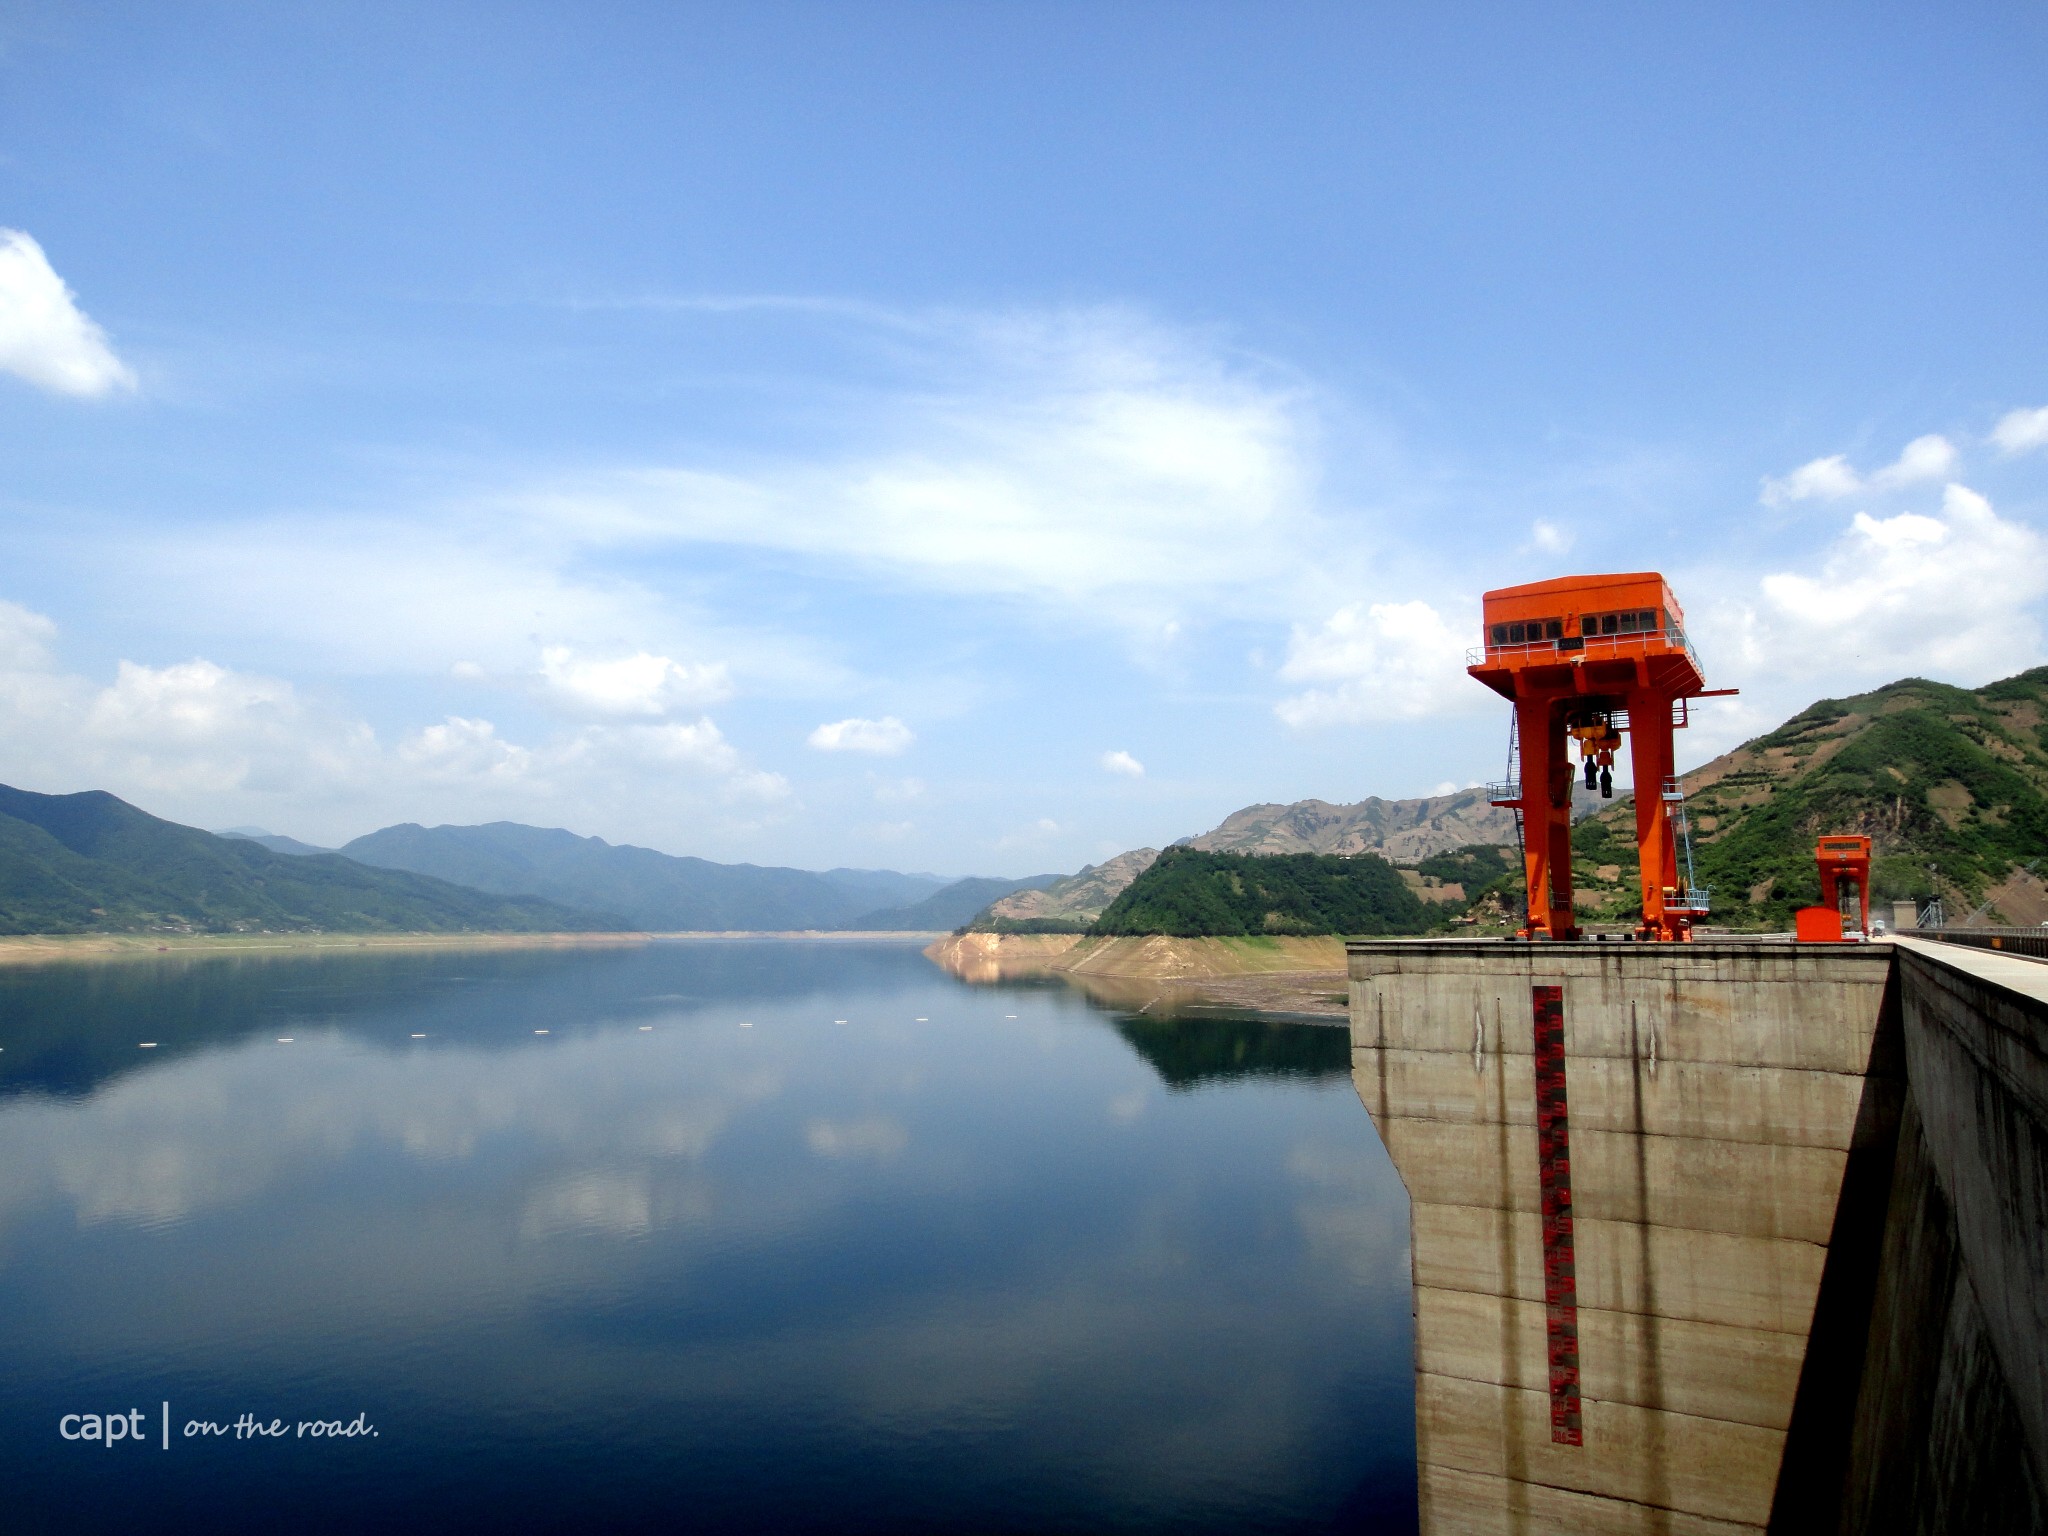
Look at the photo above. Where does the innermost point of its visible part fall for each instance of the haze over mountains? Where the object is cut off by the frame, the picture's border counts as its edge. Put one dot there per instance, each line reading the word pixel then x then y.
pixel 91 862
pixel 658 892
pixel 1951 783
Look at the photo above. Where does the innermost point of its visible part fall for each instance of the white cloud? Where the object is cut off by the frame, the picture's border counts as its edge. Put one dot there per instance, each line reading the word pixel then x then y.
pixel 1123 763
pixel 2022 431
pixel 1093 458
pixel 640 684
pixel 1944 596
pixel 1382 661
pixel 205 743
pixel 1932 457
pixel 886 737
pixel 464 751
pixel 1823 479
pixel 1549 538
pixel 24 637
pixel 44 337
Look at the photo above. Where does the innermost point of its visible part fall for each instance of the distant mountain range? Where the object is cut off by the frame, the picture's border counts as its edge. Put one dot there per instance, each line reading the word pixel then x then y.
pixel 950 906
pixel 658 892
pixel 271 840
pixel 91 862
pixel 1951 783
pixel 1403 830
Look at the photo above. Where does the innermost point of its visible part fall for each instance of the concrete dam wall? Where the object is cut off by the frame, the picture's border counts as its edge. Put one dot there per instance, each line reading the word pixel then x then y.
pixel 1702 1270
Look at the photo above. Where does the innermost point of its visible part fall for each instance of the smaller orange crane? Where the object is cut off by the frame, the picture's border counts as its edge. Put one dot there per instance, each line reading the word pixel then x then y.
pixel 1844 870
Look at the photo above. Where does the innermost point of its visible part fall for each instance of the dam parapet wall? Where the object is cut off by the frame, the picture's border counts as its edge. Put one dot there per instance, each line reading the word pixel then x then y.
pixel 1702 1318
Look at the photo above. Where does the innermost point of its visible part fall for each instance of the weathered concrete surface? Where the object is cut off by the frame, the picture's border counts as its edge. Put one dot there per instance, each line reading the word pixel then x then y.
pixel 1949 1428
pixel 1717 1094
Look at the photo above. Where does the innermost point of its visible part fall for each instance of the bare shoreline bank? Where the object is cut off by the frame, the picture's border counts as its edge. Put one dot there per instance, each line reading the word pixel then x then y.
pixel 1301 977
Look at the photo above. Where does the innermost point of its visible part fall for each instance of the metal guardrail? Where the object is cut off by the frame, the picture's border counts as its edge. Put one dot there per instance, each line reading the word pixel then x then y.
pixel 1506 792
pixel 1643 643
pixel 2032 942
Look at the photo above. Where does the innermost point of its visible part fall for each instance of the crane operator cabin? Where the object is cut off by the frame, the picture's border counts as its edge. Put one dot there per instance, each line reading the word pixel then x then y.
pixel 1588 661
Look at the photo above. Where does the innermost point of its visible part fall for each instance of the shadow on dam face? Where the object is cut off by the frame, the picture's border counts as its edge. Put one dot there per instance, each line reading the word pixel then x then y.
pixel 1764 1248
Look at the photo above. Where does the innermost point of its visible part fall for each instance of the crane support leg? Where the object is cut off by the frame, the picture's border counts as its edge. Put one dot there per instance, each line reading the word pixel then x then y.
pixel 1650 756
pixel 1547 779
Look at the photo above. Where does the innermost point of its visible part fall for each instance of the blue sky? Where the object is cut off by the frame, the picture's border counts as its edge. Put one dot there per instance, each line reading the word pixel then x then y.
pixel 979 438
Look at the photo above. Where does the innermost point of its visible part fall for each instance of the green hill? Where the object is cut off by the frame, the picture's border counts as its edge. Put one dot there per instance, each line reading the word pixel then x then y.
pixel 1189 893
pixel 1950 784
pixel 93 863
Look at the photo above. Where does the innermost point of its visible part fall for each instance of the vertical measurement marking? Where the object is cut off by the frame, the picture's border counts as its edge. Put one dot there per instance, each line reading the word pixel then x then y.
pixel 1554 1167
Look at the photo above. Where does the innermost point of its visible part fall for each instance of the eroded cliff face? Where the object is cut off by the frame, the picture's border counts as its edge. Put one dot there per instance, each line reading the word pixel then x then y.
pixel 1394 829
pixel 1294 976
pixel 984 957
pixel 1080 897
pixel 997 956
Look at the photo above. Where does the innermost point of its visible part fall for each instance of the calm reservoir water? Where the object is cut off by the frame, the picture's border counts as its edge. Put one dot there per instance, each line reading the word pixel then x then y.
pixel 697 1236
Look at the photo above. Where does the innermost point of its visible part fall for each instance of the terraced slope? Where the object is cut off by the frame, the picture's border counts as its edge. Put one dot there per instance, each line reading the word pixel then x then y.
pixel 1951 785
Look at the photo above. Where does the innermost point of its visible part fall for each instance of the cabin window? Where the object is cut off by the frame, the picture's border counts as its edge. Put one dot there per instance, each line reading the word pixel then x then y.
pixel 1589 625
pixel 1628 623
pixel 1553 629
pixel 1608 623
pixel 1649 619
pixel 1500 634
pixel 1514 634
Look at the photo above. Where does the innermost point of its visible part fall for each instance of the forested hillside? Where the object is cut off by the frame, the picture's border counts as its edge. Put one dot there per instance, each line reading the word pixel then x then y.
pixel 1189 893
pixel 1951 785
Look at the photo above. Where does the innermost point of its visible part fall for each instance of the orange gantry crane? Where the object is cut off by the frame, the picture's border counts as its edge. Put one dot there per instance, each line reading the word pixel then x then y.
pixel 1844 860
pixel 1587 660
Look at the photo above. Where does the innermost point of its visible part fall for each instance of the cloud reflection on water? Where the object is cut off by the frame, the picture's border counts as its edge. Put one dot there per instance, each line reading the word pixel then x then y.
pixel 907 1245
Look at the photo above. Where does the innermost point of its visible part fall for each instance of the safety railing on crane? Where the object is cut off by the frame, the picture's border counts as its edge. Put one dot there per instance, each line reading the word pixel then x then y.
pixel 1643 642
pixel 1692 897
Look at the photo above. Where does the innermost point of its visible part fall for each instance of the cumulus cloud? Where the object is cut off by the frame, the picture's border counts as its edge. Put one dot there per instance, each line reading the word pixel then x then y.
pixel 1946 595
pixel 640 684
pixel 464 751
pixel 2022 431
pixel 1378 661
pixel 1123 763
pixel 45 337
pixel 25 637
pixel 1549 538
pixel 196 739
pixel 1825 479
pixel 886 737
pixel 1931 457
